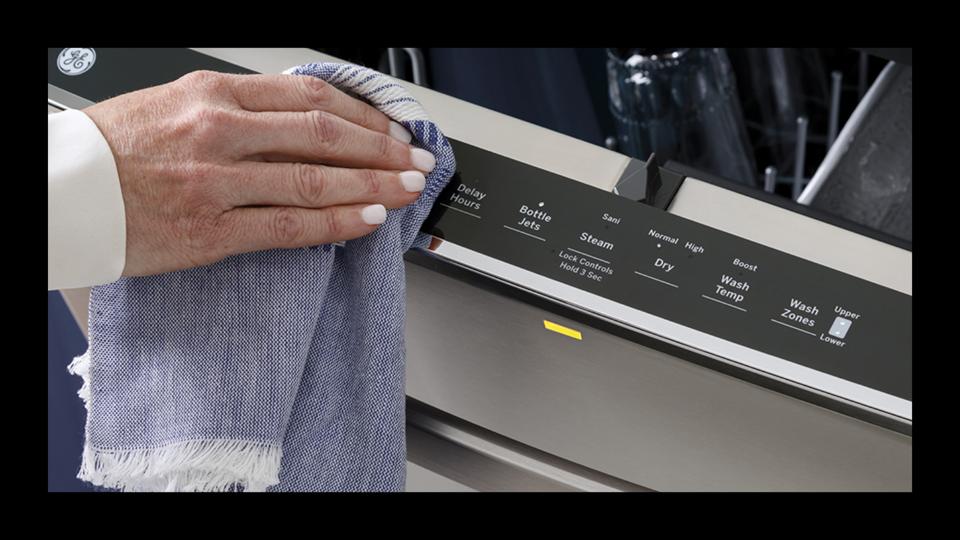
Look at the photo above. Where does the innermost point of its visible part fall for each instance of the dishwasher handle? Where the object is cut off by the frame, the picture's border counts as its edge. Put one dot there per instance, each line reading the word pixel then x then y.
pixel 481 459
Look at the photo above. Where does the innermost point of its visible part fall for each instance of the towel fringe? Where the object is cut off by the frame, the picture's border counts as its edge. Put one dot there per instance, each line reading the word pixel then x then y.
pixel 80 366
pixel 195 465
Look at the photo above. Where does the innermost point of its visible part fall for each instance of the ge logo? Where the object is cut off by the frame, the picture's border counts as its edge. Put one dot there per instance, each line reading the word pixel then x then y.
pixel 76 61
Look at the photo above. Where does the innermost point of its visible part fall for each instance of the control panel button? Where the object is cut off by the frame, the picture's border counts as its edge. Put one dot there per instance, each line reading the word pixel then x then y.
pixel 840 327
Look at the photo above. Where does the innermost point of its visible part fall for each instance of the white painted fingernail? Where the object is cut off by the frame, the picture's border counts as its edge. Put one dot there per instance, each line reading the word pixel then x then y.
pixel 422 159
pixel 400 133
pixel 413 181
pixel 374 214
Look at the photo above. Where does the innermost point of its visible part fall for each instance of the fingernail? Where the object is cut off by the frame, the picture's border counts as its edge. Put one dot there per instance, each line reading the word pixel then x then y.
pixel 400 133
pixel 422 159
pixel 413 181
pixel 374 214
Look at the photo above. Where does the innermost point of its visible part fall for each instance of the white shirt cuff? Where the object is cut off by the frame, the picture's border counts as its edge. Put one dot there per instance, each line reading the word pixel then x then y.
pixel 86 224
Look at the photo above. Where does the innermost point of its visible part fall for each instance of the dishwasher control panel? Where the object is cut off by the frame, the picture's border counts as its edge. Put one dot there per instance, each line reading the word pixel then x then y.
pixel 677 269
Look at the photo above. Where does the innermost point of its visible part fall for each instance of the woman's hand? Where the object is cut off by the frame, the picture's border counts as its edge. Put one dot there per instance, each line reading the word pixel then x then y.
pixel 213 165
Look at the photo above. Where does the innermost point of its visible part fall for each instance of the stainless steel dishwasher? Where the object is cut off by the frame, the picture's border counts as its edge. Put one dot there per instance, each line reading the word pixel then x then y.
pixel 563 337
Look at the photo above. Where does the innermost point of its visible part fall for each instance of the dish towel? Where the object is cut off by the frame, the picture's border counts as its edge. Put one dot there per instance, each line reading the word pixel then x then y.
pixel 279 370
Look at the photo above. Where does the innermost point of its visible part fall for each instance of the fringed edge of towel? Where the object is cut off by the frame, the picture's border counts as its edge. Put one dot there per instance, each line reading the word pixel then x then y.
pixel 81 368
pixel 202 465
pixel 195 465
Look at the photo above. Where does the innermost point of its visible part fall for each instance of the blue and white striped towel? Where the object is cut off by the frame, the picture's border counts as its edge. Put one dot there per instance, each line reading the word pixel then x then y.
pixel 279 370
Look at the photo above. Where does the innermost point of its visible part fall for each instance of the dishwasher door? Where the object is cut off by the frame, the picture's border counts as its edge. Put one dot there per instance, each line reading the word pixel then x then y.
pixel 495 403
pixel 603 405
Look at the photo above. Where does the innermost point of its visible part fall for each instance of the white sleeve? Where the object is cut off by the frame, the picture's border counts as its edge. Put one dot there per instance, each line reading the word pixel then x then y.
pixel 86 224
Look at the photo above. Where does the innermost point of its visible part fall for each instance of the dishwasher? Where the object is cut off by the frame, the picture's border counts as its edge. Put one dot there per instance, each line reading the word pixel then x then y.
pixel 590 320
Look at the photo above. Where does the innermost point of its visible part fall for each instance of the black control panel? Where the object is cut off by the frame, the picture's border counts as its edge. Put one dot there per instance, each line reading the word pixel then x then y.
pixel 677 269
pixel 100 74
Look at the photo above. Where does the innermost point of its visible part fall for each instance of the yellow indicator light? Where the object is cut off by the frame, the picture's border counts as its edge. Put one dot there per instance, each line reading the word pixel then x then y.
pixel 569 332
